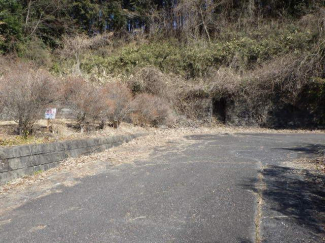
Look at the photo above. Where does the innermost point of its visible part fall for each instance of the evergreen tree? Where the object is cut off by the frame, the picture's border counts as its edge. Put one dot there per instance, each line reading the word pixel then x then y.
pixel 11 29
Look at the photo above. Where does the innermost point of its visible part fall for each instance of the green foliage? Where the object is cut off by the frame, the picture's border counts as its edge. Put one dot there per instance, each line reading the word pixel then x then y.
pixel 85 11
pixel 195 60
pixel 11 32
pixel 36 51
pixel 38 172
pixel 117 19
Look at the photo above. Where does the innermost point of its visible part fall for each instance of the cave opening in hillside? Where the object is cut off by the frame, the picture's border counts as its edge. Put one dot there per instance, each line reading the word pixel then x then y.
pixel 220 109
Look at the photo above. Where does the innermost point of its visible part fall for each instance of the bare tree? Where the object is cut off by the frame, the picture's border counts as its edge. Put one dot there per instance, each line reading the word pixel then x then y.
pixel 85 99
pixel 74 47
pixel 25 95
pixel 118 97
pixel 195 17
pixel 35 18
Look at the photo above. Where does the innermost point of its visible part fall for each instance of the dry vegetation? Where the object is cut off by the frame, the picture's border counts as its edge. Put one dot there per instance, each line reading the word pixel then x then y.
pixel 118 98
pixel 85 99
pixel 236 63
pixel 25 93
pixel 149 109
pixel 150 97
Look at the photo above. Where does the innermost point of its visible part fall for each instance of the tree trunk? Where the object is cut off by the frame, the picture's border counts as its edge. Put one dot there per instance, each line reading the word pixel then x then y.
pixel 23 129
pixel 77 69
pixel 251 9
pixel 116 124
pixel 205 26
pixel 27 15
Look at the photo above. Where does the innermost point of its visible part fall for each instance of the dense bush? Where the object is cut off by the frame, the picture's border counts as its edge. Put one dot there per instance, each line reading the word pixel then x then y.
pixel 151 80
pixel 252 54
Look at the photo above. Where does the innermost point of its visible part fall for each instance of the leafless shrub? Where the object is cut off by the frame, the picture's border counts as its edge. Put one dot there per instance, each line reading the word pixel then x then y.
pixel 287 75
pixel 117 97
pixel 86 100
pixel 25 95
pixel 151 110
pixel 188 97
pixel 150 80
pixel 314 20
pixel 4 65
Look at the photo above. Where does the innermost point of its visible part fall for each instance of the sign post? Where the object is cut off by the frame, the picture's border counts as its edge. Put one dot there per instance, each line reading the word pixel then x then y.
pixel 50 114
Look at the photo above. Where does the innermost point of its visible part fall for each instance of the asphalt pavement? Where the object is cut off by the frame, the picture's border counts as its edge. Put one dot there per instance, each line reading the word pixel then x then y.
pixel 219 188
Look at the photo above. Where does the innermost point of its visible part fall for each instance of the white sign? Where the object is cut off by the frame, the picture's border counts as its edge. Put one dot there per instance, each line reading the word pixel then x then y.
pixel 50 114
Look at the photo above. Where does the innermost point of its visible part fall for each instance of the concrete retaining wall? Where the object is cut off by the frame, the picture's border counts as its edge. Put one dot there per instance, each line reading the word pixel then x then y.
pixel 24 160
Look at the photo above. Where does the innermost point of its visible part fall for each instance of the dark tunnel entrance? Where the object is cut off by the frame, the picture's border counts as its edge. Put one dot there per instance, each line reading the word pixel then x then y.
pixel 220 109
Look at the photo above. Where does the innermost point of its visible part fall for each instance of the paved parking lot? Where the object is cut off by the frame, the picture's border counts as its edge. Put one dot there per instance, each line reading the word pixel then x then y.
pixel 219 188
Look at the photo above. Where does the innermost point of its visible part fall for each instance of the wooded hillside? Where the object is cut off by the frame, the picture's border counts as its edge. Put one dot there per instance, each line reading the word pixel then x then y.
pixel 49 20
pixel 244 62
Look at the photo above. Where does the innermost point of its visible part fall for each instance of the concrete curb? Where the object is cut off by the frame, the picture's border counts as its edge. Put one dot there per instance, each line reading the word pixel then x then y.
pixel 24 160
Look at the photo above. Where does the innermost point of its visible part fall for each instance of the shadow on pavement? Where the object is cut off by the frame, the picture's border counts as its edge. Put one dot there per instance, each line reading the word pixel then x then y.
pixel 297 194
pixel 310 149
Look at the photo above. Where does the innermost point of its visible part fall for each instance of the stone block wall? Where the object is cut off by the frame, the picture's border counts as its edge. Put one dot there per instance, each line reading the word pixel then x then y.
pixel 24 160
